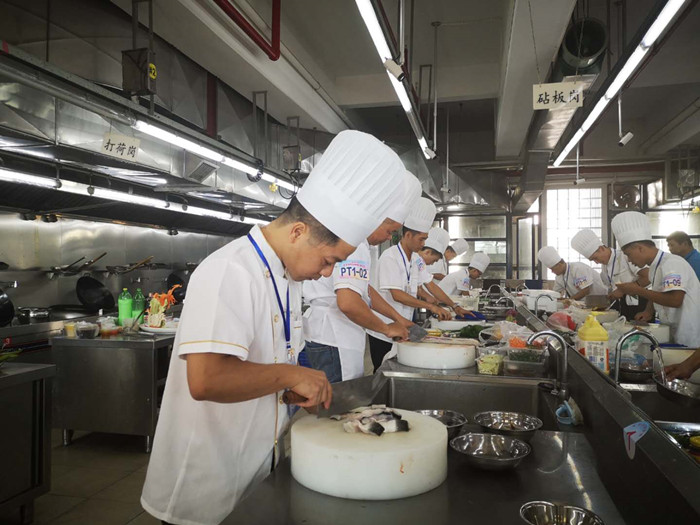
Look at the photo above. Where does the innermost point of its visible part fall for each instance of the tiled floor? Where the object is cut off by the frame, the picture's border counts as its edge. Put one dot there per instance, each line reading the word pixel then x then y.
pixel 97 480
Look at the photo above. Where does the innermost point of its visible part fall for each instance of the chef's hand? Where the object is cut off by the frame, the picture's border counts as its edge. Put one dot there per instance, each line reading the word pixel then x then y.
pixel 430 299
pixel 441 313
pixel 629 288
pixel 616 294
pixel 396 331
pixel 678 371
pixel 644 316
pixel 461 311
pixel 405 322
pixel 313 385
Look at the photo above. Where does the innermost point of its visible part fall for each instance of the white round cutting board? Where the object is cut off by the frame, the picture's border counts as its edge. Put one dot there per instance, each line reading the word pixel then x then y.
pixel 436 355
pixel 329 460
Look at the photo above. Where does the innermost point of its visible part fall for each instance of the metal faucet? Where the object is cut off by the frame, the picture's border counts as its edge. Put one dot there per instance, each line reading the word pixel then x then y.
pixel 505 301
pixel 654 348
pixel 562 385
pixel 543 296
pixel 498 287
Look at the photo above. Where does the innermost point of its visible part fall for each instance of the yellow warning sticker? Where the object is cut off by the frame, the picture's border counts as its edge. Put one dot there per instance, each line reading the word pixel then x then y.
pixel 152 72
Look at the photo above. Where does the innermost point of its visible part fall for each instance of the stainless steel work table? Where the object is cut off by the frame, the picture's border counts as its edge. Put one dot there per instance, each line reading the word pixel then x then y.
pixel 561 468
pixel 109 385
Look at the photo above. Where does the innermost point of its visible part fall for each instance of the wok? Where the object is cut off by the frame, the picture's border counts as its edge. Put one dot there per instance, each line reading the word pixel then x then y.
pixel 178 294
pixel 7 309
pixel 93 294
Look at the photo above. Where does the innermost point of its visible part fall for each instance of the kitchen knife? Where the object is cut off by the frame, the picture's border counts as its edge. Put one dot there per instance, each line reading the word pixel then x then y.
pixel 347 395
pixel 416 334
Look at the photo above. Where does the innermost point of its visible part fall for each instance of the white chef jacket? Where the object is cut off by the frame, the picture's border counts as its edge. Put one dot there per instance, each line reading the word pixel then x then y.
pixel 619 270
pixel 669 272
pixel 455 282
pixel 326 324
pixel 577 277
pixel 439 266
pixel 207 456
pixel 398 272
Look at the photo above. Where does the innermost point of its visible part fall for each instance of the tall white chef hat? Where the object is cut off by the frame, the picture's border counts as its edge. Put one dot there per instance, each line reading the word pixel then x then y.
pixel 586 242
pixel 631 226
pixel 460 246
pixel 410 192
pixel 421 216
pixel 353 186
pixel 480 261
pixel 549 256
pixel 438 239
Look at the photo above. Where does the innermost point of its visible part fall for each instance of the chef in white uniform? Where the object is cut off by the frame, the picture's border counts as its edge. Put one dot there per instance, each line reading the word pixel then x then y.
pixel 236 347
pixel 339 311
pixel 439 269
pixel 616 267
pixel 459 282
pixel 675 289
pixel 402 271
pixel 576 280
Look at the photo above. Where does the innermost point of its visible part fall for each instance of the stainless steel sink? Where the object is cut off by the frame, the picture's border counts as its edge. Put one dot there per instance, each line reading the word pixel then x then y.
pixel 470 396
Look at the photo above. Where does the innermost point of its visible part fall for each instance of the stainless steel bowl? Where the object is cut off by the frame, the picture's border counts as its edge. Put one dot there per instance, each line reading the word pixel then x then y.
pixel 491 451
pixel 546 513
pixel 512 424
pixel 454 421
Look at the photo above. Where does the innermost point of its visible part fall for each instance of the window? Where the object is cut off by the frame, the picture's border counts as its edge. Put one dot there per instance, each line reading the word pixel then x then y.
pixel 568 211
pixel 484 233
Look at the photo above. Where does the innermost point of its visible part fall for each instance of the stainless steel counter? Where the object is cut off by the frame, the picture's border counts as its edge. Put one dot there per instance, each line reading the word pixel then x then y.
pixel 561 468
pixel 140 340
pixel 109 385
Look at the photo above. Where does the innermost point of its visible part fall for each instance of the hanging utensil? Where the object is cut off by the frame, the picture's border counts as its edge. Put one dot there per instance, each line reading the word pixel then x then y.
pixel 139 264
pixel 89 263
pixel 66 268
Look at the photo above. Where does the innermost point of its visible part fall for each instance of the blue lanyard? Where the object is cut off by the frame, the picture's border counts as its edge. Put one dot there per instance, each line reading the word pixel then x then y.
pixel 653 279
pixel 612 270
pixel 285 315
pixel 406 267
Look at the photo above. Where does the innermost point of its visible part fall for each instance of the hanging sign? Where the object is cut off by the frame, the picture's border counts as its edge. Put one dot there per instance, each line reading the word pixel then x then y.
pixel 559 95
pixel 120 146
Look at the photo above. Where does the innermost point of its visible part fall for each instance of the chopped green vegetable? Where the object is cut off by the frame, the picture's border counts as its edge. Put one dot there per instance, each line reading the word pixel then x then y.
pixel 471 331
pixel 530 356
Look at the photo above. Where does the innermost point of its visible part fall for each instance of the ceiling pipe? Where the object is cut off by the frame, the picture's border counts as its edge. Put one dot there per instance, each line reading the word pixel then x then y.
pixel 271 50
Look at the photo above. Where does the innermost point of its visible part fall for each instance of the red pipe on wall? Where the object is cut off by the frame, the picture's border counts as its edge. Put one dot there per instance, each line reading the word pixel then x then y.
pixel 272 50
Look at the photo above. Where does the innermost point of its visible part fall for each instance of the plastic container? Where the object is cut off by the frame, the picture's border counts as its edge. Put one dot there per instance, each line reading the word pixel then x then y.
pixel 491 365
pixel 525 368
pixel 528 355
pixel 69 329
pixel 86 330
pixel 593 343
pixel 126 303
pixel 139 302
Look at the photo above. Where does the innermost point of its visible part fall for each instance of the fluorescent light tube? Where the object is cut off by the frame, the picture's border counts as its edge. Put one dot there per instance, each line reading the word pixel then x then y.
pixel 626 72
pixel 78 188
pixel 401 93
pixel 24 178
pixel 665 16
pixel 175 140
pixel 282 183
pixel 668 13
pixel 375 30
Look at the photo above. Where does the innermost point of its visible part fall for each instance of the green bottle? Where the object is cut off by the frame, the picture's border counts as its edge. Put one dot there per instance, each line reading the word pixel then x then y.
pixel 126 304
pixel 139 302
